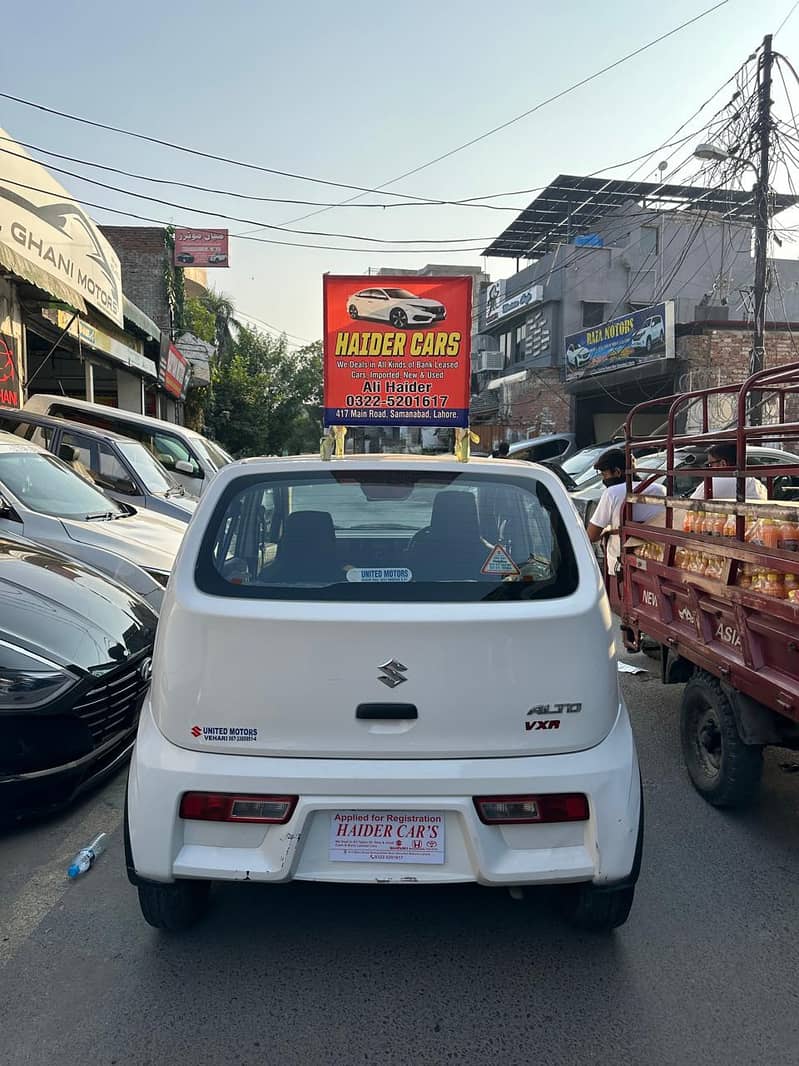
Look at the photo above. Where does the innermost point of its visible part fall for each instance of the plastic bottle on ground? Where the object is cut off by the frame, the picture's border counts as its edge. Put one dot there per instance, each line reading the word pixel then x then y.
pixel 87 856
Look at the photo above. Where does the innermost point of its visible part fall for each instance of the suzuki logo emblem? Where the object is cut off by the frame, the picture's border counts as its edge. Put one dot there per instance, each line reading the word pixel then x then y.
pixel 393 673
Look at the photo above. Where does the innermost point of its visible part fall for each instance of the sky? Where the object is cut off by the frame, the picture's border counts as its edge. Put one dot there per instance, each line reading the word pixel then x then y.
pixel 359 93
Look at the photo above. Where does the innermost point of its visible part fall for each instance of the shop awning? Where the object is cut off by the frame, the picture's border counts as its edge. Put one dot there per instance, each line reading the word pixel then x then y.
pixel 135 315
pixel 23 268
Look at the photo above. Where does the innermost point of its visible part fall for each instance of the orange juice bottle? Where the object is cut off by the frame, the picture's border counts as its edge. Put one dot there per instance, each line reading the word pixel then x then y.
pixel 680 558
pixel 773 585
pixel 771 533
pixel 719 522
pixel 743 578
pixel 789 533
pixel 730 527
pixel 790 583
pixel 688 522
pixel 793 596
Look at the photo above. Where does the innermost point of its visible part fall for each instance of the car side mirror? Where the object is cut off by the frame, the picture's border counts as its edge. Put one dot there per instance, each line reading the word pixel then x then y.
pixel 118 484
pixel 190 469
pixel 7 511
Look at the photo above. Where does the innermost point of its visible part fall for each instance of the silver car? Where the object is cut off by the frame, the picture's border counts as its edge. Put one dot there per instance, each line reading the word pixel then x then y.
pixel 123 468
pixel 45 501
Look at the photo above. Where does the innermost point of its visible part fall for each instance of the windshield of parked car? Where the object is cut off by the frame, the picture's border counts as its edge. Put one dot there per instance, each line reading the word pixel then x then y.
pixel 155 477
pixel 581 465
pixel 387 536
pixel 401 294
pixel 211 452
pixel 44 484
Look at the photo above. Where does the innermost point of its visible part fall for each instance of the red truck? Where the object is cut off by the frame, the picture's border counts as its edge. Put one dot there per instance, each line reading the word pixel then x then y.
pixel 716 582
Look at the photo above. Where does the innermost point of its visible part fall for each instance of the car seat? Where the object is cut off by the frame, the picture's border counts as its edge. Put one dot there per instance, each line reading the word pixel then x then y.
pixel 451 548
pixel 306 552
pixel 69 455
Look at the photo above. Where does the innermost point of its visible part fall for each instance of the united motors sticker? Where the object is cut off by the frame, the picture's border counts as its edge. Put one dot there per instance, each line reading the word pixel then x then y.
pixel 223 734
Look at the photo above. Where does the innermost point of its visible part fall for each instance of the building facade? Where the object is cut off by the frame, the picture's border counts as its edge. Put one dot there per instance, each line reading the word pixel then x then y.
pixel 600 250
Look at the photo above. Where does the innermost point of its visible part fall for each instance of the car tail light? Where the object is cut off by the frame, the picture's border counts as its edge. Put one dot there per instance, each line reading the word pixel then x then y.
pixel 521 810
pixel 231 807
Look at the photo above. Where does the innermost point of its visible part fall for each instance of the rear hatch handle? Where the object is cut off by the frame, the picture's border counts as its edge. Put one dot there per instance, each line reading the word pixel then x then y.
pixel 391 712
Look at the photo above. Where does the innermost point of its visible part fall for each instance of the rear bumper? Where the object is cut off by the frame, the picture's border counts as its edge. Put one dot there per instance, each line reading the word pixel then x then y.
pixel 605 849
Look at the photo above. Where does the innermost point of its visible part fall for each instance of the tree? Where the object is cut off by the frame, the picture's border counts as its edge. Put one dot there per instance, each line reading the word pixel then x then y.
pixel 264 398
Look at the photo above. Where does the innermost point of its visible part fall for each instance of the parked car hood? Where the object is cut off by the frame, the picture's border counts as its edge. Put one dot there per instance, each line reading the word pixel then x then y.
pixel 57 607
pixel 149 540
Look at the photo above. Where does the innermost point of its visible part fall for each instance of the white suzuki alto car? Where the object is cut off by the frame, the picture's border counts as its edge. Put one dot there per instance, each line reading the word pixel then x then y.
pixel 385 670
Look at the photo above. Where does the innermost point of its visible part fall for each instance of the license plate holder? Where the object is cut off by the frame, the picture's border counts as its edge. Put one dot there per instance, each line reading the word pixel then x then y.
pixel 391 837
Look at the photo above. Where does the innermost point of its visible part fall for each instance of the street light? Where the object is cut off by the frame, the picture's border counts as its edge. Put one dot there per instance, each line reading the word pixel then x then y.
pixel 712 152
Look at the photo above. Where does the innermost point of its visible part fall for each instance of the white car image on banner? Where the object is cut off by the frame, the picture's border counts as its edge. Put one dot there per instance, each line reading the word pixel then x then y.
pixel 397 306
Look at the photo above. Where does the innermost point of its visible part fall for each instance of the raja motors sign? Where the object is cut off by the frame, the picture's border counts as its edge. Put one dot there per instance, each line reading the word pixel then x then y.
pixel 201 248
pixel 397 350
pixel 628 340
pixel 42 225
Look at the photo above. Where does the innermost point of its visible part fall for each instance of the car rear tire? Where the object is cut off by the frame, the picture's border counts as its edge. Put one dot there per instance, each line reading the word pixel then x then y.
pixel 398 318
pixel 595 909
pixel 175 906
pixel 724 771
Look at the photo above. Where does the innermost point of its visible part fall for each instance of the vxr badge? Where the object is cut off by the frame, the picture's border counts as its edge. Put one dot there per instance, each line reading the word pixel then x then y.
pixel 393 673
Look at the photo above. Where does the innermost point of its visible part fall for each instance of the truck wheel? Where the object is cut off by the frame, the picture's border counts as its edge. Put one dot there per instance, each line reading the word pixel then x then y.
pixel 174 906
pixel 596 910
pixel 651 648
pixel 724 770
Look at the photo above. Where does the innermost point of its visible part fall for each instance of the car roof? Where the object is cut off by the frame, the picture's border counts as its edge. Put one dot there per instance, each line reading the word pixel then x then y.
pixel 10 442
pixel 55 420
pixel 540 440
pixel 366 461
pixel 118 413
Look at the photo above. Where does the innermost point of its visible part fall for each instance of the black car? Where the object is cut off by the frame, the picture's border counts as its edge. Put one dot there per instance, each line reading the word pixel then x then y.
pixel 75 653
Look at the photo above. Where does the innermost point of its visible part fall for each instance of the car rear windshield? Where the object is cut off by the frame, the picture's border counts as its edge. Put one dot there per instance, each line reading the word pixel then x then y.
pixel 387 536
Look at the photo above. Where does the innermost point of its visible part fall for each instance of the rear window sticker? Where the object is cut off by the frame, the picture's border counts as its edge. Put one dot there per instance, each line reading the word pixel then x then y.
pixel 379 573
pixel 499 563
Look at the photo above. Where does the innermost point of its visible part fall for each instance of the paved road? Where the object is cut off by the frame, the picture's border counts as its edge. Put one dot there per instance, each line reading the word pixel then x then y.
pixel 704 972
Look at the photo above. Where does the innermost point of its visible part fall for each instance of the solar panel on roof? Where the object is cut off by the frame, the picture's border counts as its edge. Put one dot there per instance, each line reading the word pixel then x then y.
pixel 570 205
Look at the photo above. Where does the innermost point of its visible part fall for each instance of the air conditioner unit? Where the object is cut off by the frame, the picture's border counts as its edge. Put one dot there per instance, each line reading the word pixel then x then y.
pixel 490 361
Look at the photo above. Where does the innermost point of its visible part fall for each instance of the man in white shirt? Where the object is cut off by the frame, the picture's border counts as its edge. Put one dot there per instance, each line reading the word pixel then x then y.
pixel 607 516
pixel 723 457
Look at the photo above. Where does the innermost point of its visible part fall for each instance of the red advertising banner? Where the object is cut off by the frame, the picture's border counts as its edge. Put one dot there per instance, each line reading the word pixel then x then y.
pixel 397 350
pixel 201 248
pixel 9 387
pixel 174 372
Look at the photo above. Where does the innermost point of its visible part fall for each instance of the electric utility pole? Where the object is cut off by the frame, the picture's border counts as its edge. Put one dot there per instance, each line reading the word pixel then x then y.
pixel 761 210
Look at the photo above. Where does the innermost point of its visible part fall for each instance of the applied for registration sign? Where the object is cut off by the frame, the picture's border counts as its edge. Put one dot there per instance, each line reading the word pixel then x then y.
pixel 387 836
pixel 397 350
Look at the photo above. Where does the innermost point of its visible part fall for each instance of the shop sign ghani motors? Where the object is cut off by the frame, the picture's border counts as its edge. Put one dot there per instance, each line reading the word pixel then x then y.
pixel 49 240
pixel 397 350
pixel 201 248
pixel 9 386
pixel 628 340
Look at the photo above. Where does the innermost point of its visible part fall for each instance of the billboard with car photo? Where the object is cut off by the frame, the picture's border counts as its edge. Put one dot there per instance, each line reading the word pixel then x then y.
pixel 397 350
pixel 628 340
pixel 201 248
